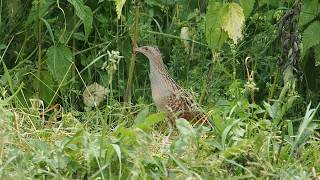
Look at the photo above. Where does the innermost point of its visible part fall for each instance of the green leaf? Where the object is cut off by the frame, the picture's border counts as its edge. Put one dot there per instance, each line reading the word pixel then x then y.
pixel 226 132
pixel 239 148
pixel 150 120
pixel 215 36
pixel 233 21
pixel 141 116
pixel 116 148
pixel 119 6
pixel 247 6
pixel 2 46
pixel 309 11
pixel 59 62
pixel 85 14
pixel 47 86
pixel 39 10
pixel 317 54
pixel 306 127
pixel 184 127
pixel 311 36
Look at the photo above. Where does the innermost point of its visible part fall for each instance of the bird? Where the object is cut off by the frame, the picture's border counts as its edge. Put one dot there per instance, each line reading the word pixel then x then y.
pixel 167 94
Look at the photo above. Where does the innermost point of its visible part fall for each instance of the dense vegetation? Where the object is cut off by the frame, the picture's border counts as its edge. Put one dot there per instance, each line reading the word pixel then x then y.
pixel 252 65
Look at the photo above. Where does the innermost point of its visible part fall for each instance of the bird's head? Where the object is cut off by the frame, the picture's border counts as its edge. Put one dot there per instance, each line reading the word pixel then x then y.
pixel 152 52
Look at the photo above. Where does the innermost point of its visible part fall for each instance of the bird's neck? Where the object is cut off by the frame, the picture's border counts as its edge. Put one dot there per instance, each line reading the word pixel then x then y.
pixel 159 78
pixel 158 68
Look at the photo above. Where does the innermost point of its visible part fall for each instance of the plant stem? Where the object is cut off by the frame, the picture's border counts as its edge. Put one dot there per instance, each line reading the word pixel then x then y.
pixel 127 94
pixel 215 58
pixel 39 29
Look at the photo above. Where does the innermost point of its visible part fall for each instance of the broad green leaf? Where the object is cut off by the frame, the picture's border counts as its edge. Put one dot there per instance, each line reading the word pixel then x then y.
pixel 233 21
pixel 184 127
pixel 116 147
pixel 39 10
pixel 119 6
pixel 311 36
pixel 85 14
pixel 141 116
pixel 309 11
pixel 59 62
pixel 247 6
pixel 150 121
pixel 306 127
pixel 2 46
pixel 226 132
pixel 215 36
pixel 317 54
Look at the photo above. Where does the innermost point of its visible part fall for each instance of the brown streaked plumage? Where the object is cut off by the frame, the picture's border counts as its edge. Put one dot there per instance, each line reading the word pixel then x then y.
pixel 168 96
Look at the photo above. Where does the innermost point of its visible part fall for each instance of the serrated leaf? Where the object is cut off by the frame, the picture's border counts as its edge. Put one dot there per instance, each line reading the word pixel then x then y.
pixel 233 21
pixel 317 54
pixel 311 36
pixel 119 6
pixel 59 61
pixel 223 20
pixel 247 6
pixel 85 14
pixel 309 11
pixel 215 36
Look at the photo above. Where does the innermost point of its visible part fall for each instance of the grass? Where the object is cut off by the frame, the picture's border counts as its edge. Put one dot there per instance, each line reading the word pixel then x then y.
pixel 105 144
pixel 263 127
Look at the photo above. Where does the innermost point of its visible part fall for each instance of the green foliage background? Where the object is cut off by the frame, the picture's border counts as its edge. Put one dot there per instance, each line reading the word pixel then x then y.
pixel 50 51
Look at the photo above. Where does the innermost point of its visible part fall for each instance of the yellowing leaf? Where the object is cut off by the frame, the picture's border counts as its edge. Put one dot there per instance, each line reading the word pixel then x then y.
pixel 223 20
pixel 119 6
pixel 233 21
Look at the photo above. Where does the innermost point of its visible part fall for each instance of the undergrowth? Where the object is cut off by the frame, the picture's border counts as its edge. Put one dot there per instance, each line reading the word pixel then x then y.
pixel 263 105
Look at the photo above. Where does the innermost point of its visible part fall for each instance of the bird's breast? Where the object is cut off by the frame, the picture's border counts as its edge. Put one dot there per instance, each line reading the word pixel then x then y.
pixel 159 91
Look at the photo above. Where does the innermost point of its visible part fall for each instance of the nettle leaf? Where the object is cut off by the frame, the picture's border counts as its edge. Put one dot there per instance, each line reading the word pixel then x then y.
pixel 309 11
pixel 39 10
pixel 119 6
pixel 247 6
pixel 85 14
pixel 223 20
pixel 233 21
pixel 309 36
pixel 59 62
pixel 317 54
pixel 215 36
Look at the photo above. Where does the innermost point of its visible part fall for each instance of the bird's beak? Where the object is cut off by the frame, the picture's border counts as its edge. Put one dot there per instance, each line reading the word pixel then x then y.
pixel 137 50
